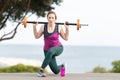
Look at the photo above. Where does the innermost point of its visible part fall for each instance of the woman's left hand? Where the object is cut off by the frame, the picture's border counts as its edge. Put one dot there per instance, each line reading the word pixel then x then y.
pixel 66 24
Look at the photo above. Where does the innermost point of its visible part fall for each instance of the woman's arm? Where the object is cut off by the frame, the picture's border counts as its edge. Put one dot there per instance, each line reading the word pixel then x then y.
pixel 64 34
pixel 39 33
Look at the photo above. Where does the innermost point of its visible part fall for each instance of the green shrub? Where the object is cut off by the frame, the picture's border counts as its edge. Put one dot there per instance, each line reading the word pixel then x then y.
pixel 20 68
pixel 99 69
pixel 116 66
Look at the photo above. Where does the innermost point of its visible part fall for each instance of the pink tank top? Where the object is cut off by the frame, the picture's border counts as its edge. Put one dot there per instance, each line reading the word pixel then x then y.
pixel 51 39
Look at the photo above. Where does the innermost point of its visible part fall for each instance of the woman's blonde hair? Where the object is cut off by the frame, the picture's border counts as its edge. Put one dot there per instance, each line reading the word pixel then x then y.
pixel 52 12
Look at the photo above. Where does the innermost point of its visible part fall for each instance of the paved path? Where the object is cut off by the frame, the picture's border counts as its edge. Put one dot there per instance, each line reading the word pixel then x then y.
pixel 70 76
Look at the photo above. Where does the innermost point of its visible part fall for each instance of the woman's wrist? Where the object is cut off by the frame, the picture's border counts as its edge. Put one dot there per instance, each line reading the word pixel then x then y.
pixel 67 28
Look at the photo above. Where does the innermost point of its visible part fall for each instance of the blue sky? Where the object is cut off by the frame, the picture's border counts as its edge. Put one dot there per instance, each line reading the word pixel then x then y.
pixel 103 17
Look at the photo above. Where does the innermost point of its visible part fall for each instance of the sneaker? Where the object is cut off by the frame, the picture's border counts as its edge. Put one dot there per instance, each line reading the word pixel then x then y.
pixel 41 74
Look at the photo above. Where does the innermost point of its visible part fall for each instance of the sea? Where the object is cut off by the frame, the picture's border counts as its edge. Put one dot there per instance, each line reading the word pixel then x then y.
pixel 77 58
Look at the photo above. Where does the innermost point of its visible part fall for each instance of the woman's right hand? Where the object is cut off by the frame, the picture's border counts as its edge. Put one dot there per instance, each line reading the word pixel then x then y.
pixel 35 23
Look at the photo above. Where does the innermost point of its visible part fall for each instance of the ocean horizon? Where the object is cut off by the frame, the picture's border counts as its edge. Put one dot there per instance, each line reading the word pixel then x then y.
pixel 78 59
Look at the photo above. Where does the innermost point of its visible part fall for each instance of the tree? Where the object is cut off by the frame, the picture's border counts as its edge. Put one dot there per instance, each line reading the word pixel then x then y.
pixel 15 10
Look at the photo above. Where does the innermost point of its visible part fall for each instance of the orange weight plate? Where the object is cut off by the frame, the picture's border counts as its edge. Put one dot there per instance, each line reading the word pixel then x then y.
pixel 78 24
pixel 25 22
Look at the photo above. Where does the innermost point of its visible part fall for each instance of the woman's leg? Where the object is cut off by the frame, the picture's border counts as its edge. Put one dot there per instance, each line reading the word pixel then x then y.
pixel 53 64
pixel 50 58
pixel 54 67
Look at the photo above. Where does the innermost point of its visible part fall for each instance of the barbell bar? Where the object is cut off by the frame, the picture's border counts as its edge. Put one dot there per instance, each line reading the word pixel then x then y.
pixel 75 24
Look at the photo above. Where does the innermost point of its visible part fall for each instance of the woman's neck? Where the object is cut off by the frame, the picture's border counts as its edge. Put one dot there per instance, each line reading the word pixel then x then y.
pixel 51 25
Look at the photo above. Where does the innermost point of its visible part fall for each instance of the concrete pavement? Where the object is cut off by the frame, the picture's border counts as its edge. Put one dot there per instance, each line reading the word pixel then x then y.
pixel 69 76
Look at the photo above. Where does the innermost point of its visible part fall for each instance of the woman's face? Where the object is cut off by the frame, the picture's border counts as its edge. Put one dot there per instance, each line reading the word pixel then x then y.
pixel 51 18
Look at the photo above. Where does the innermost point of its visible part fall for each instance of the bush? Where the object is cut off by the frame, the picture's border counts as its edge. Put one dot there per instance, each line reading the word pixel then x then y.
pixel 19 68
pixel 116 66
pixel 99 69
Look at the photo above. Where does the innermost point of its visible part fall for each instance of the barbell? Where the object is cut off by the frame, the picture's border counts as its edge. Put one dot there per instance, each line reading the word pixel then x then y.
pixel 77 24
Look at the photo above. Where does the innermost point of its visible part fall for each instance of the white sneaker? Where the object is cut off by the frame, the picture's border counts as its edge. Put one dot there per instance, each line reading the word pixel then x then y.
pixel 41 74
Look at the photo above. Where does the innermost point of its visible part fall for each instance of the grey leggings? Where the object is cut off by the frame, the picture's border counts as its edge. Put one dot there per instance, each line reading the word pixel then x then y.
pixel 50 59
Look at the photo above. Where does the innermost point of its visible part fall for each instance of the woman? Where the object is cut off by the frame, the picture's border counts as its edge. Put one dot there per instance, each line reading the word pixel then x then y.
pixel 52 45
